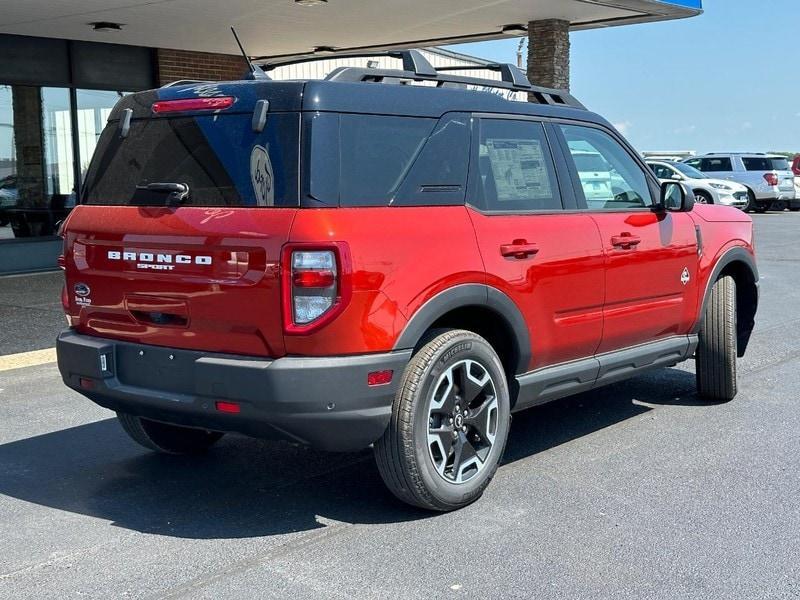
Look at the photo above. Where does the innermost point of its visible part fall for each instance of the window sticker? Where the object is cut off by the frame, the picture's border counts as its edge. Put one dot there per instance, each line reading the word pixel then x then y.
pixel 519 169
pixel 261 176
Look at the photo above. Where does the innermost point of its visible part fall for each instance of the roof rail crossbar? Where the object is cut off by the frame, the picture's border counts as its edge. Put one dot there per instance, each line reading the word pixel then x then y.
pixel 537 94
pixel 508 72
pixel 413 60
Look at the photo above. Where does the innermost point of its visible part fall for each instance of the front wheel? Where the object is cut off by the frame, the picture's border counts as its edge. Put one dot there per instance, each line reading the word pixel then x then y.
pixel 701 197
pixel 449 423
pixel 751 201
pixel 716 352
pixel 166 438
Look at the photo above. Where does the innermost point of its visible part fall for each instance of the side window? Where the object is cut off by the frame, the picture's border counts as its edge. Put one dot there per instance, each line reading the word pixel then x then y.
pixel 719 164
pixel 662 172
pixel 610 178
pixel 756 163
pixel 375 154
pixel 696 163
pixel 439 173
pixel 515 171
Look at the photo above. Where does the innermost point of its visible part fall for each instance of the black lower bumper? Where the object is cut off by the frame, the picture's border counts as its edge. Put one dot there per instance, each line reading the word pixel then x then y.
pixel 323 402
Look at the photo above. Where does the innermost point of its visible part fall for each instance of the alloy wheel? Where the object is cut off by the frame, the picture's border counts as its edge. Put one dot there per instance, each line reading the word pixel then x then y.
pixel 462 421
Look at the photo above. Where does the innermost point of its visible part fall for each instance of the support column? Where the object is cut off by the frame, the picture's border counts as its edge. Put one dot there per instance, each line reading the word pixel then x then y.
pixel 548 53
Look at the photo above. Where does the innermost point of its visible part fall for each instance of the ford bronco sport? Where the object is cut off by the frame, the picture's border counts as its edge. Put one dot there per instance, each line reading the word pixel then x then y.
pixel 368 261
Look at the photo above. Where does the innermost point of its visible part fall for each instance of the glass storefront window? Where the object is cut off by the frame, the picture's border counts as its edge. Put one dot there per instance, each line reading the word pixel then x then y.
pixel 37 162
pixel 37 177
pixel 93 108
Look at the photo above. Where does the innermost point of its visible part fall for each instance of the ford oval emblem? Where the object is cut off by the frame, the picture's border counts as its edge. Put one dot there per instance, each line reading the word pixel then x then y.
pixel 81 289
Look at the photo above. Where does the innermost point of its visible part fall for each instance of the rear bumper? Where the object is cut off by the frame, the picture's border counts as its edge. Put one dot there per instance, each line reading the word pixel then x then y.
pixel 323 402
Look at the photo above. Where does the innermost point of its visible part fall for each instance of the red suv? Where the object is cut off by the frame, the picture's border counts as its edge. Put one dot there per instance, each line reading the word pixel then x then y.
pixel 347 263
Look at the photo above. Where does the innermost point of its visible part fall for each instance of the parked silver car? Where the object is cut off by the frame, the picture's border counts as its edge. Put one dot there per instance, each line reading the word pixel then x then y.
pixel 706 190
pixel 768 178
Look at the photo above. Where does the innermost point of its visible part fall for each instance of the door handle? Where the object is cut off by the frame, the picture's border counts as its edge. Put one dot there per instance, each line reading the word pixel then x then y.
pixel 625 240
pixel 519 249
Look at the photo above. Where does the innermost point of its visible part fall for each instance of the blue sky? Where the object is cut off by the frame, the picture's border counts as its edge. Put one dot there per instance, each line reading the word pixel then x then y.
pixel 724 81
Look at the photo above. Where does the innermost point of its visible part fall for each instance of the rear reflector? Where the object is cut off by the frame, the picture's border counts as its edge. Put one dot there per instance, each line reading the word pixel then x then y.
pixel 192 104
pixel 313 279
pixel 380 377
pixel 229 407
pixel 86 384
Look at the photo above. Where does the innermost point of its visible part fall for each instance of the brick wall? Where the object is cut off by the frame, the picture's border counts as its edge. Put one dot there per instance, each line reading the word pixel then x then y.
pixel 172 65
pixel 548 53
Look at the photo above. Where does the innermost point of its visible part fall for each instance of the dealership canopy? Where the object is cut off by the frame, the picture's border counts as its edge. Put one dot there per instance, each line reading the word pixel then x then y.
pixel 276 27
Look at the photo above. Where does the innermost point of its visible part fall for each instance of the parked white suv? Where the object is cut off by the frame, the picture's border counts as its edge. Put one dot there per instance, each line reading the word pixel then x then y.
pixel 706 190
pixel 769 180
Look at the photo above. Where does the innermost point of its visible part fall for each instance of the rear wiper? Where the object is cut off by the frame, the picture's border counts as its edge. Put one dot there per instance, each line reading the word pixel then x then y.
pixel 177 192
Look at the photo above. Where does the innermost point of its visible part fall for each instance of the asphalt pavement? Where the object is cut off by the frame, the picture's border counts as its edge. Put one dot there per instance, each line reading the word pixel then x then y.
pixel 638 490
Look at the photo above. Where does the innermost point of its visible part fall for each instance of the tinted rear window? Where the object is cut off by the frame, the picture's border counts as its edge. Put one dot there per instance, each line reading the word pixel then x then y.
pixel 757 163
pixel 780 164
pixel 220 159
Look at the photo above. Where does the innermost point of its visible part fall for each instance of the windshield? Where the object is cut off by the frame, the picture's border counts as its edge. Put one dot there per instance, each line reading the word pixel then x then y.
pixel 690 172
pixel 590 162
pixel 219 159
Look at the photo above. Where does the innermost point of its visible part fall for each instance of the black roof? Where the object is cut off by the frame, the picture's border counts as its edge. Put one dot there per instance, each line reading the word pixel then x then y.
pixel 378 91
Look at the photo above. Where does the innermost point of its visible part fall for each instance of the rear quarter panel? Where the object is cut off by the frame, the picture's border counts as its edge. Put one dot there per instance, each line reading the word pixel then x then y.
pixel 401 257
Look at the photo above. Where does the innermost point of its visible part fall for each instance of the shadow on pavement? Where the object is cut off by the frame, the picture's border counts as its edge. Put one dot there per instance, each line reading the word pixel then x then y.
pixel 251 488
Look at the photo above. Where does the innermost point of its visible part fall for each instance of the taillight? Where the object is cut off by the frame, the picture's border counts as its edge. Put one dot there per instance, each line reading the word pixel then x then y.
pixel 193 104
pixel 771 178
pixel 315 285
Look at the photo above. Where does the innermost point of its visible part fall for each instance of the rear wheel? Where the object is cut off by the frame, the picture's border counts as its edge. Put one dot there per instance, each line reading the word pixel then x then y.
pixel 449 424
pixel 716 352
pixel 169 439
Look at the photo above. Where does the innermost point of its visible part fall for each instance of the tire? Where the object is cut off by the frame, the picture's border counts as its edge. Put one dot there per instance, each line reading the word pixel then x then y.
pixel 702 197
pixel 751 201
pixel 421 456
pixel 716 352
pixel 794 208
pixel 165 438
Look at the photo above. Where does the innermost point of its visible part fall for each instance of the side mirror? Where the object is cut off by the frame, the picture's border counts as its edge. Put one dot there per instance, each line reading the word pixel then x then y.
pixel 676 177
pixel 676 197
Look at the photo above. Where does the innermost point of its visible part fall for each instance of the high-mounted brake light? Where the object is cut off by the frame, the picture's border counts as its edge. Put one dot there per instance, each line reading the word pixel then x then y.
pixel 315 285
pixel 771 178
pixel 193 104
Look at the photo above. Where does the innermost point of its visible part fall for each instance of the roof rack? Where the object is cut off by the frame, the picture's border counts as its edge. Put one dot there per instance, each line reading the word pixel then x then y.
pixel 417 68
pixel 412 59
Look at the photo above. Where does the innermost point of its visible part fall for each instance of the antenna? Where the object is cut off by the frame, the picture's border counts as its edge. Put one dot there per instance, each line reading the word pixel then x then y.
pixel 255 72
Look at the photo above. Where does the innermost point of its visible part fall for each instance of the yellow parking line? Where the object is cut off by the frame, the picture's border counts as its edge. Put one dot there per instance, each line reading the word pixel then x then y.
pixel 27 359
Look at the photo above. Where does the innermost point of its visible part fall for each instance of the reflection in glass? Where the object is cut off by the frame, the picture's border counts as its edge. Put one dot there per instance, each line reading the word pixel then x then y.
pixel 93 107
pixel 36 162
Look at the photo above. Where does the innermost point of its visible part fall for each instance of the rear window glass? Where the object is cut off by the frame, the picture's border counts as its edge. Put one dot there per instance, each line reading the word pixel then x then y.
pixel 757 163
pixel 219 158
pixel 780 164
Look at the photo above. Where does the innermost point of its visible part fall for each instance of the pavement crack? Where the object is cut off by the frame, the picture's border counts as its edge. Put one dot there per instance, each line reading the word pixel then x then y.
pixel 309 539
